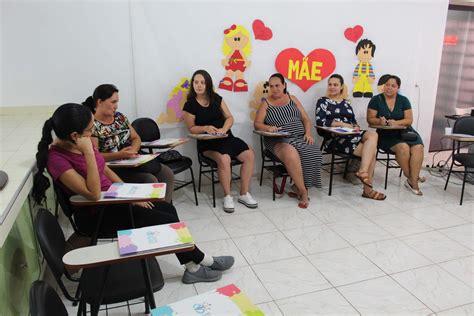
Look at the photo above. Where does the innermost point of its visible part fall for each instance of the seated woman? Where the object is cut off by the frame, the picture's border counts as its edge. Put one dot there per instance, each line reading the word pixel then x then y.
pixel 393 109
pixel 206 112
pixel 298 152
pixel 76 165
pixel 334 110
pixel 115 138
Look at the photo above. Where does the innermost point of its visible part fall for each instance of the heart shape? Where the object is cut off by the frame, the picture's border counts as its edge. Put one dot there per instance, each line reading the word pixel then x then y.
pixel 354 33
pixel 260 31
pixel 305 71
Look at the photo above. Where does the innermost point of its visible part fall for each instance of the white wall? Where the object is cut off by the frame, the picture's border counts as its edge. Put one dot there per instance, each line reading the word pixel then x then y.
pixel 55 52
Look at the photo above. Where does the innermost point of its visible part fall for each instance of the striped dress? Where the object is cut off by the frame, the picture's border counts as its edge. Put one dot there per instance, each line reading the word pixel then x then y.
pixel 288 117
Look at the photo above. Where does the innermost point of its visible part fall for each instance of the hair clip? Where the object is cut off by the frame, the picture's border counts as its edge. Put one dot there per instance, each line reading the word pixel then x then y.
pixel 233 27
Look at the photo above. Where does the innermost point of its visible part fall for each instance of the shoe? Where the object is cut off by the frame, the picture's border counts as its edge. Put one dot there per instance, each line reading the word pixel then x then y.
pixel 229 206
pixel 368 94
pixel 416 192
pixel 248 200
pixel 357 94
pixel 226 84
pixel 374 195
pixel 204 274
pixel 421 179
pixel 364 178
pixel 243 87
pixel 222 263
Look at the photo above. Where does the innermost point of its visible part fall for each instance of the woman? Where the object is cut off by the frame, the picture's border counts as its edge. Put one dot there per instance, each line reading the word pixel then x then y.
pixel 76 165
pixel 390 108
pixel 334 110
pixel 206 112
pixel 298 152
pixel 116 139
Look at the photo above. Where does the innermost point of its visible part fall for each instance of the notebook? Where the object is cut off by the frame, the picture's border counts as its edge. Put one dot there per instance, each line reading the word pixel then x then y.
pixel 136 190
pixel 166 236
pixel 166 142
pixel 227 300
pixel 140 160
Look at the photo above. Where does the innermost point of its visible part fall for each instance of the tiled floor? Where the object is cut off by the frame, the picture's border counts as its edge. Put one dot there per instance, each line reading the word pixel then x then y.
pixel 344 255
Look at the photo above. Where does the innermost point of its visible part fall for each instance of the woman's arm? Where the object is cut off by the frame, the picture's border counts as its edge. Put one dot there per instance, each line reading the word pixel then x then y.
pixel 372 118
pixel 189 120
pixel 89 187
pixel 308 136
pixel 229 119
pixel 406 121
pixel 111 175
pixel 135 139
pixel 259 124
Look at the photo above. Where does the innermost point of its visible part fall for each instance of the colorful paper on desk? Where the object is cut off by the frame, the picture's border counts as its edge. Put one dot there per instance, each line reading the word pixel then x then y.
pixel 165 236
pixel 276 133
pixel 227 300
pixel 140 160
pixel 165 142
pixel 136 190
pixel 344 129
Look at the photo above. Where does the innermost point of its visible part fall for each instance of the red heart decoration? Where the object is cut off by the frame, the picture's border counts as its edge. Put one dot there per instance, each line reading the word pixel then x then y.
pixel 260 31
pixel 305 71
pixel 354 33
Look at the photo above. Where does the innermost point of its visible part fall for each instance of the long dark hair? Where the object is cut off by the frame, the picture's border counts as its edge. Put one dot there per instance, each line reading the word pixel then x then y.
pixel 282 79
pixel 67 119
pixel 211 95
pixel 102 92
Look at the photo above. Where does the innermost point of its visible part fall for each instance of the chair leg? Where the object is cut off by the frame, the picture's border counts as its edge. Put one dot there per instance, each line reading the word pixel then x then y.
pixel 194 186
pixel 463 185
pixel 200 173
pixel 400 175
pixel 147 305
pixel 386 171
pixel 213 189
pixel 274 186
pixel 346 168
pixel 449 174
pixel 261 172
pixel 331 174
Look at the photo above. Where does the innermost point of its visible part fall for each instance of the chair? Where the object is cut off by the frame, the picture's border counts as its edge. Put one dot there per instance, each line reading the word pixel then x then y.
pixel 124 281
pixel 148 131
pixel 207 165
pixel 276 168
pixel 389 162
pixel 44 301
pixel 464 125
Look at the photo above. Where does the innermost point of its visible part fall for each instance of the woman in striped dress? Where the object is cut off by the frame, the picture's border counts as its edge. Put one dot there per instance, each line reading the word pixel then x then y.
pixel 298 152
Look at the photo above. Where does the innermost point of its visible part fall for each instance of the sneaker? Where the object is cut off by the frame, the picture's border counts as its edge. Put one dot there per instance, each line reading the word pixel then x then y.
pixel 204 274
pixel 229 204
pixel 222 263
pixel 248 200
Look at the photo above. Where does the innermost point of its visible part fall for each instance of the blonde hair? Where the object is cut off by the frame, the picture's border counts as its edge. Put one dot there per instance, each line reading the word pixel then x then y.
pixel 238 28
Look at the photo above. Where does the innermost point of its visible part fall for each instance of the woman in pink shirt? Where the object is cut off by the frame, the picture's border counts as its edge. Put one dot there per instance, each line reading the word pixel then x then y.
pixel 78 168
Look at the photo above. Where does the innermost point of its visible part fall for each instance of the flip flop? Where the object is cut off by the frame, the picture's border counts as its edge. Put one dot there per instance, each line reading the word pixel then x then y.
pixel 416 192
pixel 364 178
pixel 374 195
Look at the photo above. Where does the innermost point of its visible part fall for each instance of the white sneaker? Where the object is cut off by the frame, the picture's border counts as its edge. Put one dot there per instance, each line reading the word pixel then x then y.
pixel 248 200
pixel 228 204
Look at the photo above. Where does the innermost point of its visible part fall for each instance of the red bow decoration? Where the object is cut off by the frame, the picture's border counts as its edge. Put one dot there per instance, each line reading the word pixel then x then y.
pixel 233 27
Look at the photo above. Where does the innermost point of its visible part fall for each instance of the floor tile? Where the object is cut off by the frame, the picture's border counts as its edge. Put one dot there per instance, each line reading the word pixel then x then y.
pixel 315 239
pixel 333 212
pixel 400 224
pixel 224 247
pixel 290 277
pixel 435 287
pixel 465 310
pixel 287 218
pixel 463 234
pixel 436 217
pixel 270 309
pixel 382 296
pixel 462 269
pixel 206 229
pixel 360 231
pixel 173 291
pixel 247 224
pixel 345 266
pixel 266 247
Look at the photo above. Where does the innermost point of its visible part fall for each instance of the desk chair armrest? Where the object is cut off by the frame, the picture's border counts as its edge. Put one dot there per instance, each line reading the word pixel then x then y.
pixel 79 200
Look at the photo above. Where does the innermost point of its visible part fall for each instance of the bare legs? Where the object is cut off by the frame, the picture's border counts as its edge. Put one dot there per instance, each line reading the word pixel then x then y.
pixel 291 159
pixel 247 158
pixel 410 159
pixel 367 150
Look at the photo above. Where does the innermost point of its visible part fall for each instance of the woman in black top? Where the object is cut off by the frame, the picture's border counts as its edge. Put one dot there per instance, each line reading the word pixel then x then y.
pixel 206 112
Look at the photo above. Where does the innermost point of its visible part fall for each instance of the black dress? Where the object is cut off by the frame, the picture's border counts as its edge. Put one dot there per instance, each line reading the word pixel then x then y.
pixel 212 115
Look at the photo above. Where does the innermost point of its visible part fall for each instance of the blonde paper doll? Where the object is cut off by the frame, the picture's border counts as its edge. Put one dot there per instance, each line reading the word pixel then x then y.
pixel 236 48
pixel 174 106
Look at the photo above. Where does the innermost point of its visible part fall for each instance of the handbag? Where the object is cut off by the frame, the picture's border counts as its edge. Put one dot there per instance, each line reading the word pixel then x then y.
pixel 169 156
pixel 408 135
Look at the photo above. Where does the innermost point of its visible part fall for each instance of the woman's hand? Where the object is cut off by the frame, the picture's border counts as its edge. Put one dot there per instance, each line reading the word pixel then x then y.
pixel 210 129
pixel 273 129
pixel 128 152
pixel 84 145
pixel 221 131
pixel 392 123
pixel 308 138
pixel 383 120
pixel 147 205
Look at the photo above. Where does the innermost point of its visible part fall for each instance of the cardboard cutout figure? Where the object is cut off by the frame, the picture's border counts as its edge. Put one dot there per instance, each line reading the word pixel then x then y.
pixel 261 93
pixel 381 83
pixel 363 75
pixel 174 106
pixel 236 48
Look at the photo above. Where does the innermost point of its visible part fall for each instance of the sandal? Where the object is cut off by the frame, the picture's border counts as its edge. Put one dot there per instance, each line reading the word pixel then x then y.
pixel 226 84
pixel 416 192
pixel 374 195
pixel 364 178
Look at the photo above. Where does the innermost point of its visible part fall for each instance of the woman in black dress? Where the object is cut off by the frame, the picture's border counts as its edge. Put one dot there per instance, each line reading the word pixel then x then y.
pixel 206 112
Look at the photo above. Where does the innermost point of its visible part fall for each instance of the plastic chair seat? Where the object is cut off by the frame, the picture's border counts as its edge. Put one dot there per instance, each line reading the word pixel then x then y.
pixel 467 160
pixel 181 165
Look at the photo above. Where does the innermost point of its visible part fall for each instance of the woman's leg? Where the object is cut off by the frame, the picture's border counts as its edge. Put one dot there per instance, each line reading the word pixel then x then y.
pixel 128 175
pixel 166 175
pixel 367 150
pixel 223 168
pixel 291 159
pixel 416 161
pixel 247 158
pixel 402 155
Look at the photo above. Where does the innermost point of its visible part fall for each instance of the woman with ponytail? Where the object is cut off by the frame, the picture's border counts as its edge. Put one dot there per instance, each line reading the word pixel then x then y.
pixel 78 168
pixel 116 139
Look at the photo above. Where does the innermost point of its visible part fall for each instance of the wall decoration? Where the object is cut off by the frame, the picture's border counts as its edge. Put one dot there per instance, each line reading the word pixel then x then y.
pixel 261 92
pixel 174 106
pixel 260 31
pixel 354 33
pixel 363 75
pixel 305 71
pixel 236 48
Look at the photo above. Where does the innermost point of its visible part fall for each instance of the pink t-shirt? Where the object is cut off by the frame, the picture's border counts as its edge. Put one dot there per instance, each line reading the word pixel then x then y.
pixel 61 160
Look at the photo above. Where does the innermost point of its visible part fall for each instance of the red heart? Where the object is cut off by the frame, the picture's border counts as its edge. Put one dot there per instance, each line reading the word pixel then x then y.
pixel 260 31
pixel 354 33
pixel 320 63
